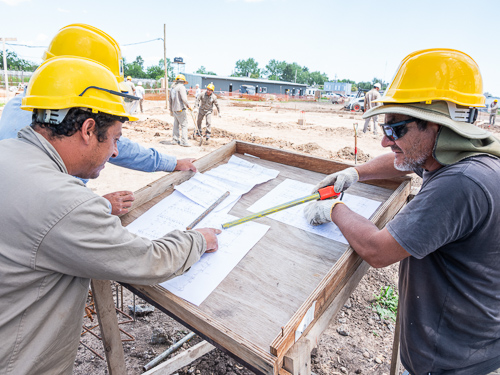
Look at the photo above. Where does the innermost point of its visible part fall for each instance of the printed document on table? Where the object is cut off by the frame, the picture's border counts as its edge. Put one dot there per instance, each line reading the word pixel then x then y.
pixel 290 190
pixel 238 177
pixel 205 275
pixel 176 212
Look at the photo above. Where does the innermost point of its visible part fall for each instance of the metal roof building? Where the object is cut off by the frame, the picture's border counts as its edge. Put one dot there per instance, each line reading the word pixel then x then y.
pixel 233 84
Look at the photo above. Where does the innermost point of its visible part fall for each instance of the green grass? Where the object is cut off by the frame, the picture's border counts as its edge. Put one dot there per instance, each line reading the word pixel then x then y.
pixel 386 303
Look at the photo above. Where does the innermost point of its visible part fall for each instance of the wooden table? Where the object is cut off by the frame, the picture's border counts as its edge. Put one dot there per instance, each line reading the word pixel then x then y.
pixel 253 315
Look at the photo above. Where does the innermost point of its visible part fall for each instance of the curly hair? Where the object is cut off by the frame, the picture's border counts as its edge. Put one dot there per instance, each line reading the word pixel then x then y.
pixel 74 121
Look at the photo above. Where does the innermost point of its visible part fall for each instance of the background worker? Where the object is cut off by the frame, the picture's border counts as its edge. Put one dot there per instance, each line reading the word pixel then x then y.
pixel 140 93
pixel 493 111
pixel 206 102
pixel 198 91
pixel 130 104
pixel 370 97
pixel 178 104
pixel 93 43
pixel 446 239
pixel 56 234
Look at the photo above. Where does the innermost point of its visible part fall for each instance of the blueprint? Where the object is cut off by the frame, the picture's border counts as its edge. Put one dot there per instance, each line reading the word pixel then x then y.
pixel 289 190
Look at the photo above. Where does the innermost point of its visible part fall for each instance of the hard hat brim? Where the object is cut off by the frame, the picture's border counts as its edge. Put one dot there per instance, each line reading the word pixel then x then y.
pixel 436 112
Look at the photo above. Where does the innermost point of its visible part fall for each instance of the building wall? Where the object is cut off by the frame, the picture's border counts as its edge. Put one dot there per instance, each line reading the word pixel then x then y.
pixel 338 87
pixel 225 83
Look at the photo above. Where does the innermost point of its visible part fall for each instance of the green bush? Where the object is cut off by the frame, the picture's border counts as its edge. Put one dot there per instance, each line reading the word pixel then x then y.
pixel 386 303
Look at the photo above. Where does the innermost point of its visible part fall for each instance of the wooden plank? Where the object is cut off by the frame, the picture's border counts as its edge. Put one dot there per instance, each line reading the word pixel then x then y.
pixel 108 323
pixel 180 360
pixel 206 326
pixel 396 359
pixel 298 359
pixel 345 266
pixel 314 331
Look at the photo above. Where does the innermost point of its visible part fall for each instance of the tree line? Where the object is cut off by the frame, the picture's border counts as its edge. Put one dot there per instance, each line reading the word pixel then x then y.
pixel 274 70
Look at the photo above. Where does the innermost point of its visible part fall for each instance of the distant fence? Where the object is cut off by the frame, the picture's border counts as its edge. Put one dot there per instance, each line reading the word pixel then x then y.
pixel 159 94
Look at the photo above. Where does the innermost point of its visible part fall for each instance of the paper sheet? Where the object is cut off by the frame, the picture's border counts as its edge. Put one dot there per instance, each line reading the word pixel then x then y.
pixel 289 190
pixel 205 275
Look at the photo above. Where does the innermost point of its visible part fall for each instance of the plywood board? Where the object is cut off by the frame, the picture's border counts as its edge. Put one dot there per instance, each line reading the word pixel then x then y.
pixel 254 312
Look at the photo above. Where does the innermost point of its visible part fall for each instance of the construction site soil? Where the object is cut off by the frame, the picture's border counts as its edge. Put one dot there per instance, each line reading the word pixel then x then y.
pixel 357 340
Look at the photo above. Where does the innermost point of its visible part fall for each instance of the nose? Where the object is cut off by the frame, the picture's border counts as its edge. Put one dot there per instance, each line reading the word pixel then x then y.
pixel 386 142
pixel 115 150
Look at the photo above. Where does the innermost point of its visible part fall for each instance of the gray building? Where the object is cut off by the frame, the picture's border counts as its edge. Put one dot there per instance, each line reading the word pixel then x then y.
pixel 249 85
pixel 337 87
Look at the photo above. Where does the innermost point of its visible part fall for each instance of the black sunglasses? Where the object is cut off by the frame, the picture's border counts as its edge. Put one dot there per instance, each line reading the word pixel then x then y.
pixel 396 130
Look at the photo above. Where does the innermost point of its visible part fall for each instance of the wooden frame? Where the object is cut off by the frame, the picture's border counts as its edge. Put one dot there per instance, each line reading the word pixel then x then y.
pixel 217 320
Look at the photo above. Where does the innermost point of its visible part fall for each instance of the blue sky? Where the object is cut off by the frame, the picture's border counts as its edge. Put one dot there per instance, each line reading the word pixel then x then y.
pixel 348 39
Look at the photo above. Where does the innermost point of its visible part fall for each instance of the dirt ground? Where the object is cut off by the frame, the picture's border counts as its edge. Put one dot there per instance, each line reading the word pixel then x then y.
pixel 357 340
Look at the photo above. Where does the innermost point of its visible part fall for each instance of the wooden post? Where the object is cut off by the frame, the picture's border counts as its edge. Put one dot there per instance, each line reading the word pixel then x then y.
pixel 108 323
pixel 395 360
pixel 5 67
pixel 165 62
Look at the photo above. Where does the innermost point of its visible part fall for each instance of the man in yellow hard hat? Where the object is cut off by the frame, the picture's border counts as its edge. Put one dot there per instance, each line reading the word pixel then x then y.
pixel 206 101
pixel 178 104
pixel 446 239
pixel 90 42
pixel 493 111
pixel 56 234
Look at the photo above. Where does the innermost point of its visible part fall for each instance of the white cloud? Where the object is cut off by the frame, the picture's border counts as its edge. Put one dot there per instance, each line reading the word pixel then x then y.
pixel 62 10
pixel 13 2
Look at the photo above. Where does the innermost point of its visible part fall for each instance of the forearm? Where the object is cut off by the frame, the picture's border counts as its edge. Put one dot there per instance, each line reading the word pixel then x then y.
pixel 378 168
pixel 134 156
pixel 377 247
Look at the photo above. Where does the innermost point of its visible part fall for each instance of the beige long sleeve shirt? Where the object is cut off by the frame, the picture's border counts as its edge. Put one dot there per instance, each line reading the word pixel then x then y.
pixel 178 97
pixel 207 102
pixel 55 235
pixel 370 96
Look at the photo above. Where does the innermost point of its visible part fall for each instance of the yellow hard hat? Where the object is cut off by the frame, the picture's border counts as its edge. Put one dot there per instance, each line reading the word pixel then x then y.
pixel 129 78
pixel 180 77
pixel 496 100
pixel 211 87
pixel 68 81
pixel 83 40
pixel 437 74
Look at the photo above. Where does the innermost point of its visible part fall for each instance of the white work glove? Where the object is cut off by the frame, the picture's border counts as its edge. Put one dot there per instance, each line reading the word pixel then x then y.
pixel 220 115
pixel 341 181
pixel 320 212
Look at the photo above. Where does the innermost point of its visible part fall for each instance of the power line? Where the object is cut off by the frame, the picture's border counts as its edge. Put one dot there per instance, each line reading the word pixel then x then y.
pixel 147 41
pixel 24 45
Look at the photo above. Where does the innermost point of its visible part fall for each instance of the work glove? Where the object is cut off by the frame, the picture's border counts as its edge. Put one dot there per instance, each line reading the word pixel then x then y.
pixel 320 212
pixel 220 115
pixel 171 113
pixel 341 181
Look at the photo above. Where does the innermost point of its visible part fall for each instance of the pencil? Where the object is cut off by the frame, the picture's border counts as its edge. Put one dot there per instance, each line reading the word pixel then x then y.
pixel 207 211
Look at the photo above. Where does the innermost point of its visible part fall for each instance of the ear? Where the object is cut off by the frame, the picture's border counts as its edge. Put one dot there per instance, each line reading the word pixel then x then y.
pixel 87 130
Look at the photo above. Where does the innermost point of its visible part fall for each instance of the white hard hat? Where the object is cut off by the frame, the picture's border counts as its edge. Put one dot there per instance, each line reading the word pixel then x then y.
pixel 197 85
pixel 139 83
pixel 377 85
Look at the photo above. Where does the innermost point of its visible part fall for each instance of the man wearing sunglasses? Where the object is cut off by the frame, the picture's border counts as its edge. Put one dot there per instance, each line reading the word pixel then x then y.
pixel 447 238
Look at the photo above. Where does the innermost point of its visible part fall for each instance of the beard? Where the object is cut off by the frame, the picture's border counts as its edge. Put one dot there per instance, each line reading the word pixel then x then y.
pixel 412 160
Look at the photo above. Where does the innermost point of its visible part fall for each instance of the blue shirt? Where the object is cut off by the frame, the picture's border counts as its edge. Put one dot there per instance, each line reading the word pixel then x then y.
pixel 130 154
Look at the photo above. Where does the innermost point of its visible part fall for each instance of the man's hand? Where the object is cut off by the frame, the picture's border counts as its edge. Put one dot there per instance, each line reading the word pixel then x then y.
pixel 171 113
pixel 120 201
pixel 320 212
pixel 210 235
pixel 185 165
pixel 340 180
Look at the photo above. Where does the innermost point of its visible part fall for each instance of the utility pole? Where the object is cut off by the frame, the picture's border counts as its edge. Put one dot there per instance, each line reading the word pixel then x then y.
pixel 5 67
pixel 165 62
pixel 295 81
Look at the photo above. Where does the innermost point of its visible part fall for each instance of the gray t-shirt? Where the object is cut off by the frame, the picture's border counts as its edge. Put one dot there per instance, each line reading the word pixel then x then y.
pixel 450 286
